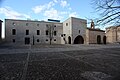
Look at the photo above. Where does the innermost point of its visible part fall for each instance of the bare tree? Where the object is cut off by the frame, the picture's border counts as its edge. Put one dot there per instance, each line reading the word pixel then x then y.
pixel 109 11
pixel 50 32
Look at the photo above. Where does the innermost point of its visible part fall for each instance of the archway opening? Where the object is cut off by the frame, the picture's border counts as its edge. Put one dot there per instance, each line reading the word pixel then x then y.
pixel 79 40
pixel 98 39
pixel 104 40
pixel 69 40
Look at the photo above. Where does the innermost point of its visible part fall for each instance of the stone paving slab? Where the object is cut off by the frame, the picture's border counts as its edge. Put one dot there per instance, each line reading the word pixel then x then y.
pixel 65 69
pixel 11 70
pixel 75 63
pixel 46 56
pixel 13 57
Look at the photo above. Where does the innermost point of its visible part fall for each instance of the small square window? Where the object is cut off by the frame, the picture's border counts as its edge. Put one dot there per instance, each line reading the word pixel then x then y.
pixel 64 34
pixel 26 24
pixel 61 35
pixel 66 24
pixel 27 32
pixel 46 39
pixel 54 39
pixel 54 25
pixel 13 40
pixel 47 32
pixel 37 24
pixel 13 31
pixel 46 25
pixel 38 32
pixel 55 33
pixel 13 23
pixel 38 40
pixel 79 31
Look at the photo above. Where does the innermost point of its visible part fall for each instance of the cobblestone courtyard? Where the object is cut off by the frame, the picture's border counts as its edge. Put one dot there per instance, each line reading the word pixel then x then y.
pixel 76 62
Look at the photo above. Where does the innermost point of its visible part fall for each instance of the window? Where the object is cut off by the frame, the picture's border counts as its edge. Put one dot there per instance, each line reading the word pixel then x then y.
pixel 26 24
pixel 13 32
pixel 38 40
pixel 64 34
pixel 66 24
pixel 38 32
pixel 27 32
pixel 55 33
pixel 27 40
pixel 37 24
pixel 79 31
pixel 61 35
pixel 46 25
pixel 13 23
pixel 46 39
pixel 13 40
pixel 54 39
pixel 54 25
pixel 46 32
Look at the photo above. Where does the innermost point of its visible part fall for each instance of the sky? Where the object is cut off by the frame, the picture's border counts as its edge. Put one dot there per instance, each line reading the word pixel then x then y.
pixel 46 9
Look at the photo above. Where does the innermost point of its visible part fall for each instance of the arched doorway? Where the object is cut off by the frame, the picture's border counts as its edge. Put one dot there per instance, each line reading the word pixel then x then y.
pixel 79 40
pixel 104 40
pixel 69 40
pixel 98 39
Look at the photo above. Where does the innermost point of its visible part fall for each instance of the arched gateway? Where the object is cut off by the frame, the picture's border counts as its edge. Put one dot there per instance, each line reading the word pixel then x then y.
pixel 98 39
pixel 104 40
pixel 79 40
pixel 69 40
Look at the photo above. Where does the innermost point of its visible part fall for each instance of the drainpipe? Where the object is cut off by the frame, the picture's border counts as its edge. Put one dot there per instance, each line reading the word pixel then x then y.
pixel 33 40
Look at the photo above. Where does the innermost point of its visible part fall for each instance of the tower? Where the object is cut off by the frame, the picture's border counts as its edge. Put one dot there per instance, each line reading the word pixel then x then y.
pixel 92 25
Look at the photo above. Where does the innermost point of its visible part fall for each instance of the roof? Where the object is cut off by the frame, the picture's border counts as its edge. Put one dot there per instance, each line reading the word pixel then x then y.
pixel 113 27
pixel 75 18
pixel 1 21
pixel 30 21
pixel 95 30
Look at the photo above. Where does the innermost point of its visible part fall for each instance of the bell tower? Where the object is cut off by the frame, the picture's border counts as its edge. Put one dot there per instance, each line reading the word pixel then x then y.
pixel 92 25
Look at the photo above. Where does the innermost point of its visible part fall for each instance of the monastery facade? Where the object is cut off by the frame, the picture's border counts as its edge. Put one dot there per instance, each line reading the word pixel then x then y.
pixel 71 31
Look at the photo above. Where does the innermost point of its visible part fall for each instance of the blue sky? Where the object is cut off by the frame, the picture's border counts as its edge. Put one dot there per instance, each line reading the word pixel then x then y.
pixel 44 9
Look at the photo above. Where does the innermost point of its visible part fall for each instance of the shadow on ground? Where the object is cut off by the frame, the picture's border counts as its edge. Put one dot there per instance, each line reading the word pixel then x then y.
pixel 99 64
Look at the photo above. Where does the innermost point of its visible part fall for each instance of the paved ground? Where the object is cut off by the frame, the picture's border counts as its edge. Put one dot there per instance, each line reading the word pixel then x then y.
pixel 60 62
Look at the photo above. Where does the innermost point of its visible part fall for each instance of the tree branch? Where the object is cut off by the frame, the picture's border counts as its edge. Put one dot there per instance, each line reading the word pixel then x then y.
pixel 108 16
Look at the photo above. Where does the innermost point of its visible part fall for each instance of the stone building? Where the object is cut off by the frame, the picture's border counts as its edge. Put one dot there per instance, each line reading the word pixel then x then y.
pixel 113 34
pixel 95 36
pixel 74 30
pixel 32 32
pixel 71 31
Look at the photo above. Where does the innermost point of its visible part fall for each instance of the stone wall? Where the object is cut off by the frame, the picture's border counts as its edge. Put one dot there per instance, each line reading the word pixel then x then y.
pixel 92 36
pixel 74 27
pixel 113 34
pixel 22 25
